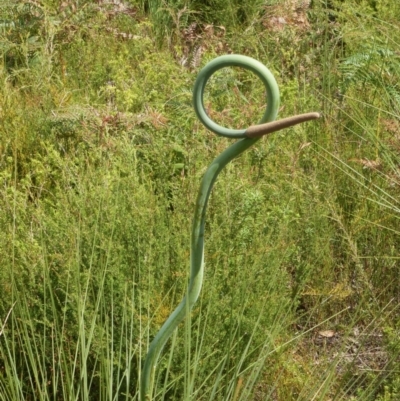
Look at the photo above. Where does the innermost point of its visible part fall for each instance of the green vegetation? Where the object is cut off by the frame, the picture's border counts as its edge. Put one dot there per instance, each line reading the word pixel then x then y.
pixel 101 156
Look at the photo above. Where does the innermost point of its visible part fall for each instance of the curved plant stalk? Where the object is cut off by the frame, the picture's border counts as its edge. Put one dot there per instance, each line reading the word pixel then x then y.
pixel 250 137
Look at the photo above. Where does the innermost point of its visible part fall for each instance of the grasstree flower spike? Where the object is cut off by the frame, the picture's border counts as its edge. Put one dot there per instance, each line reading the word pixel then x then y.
pixel 247 138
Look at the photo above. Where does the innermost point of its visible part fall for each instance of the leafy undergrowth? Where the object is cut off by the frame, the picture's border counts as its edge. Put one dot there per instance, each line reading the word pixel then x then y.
pixel 100 161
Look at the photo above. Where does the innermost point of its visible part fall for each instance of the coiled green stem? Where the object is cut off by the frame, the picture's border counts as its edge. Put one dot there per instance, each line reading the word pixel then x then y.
pixel 250 137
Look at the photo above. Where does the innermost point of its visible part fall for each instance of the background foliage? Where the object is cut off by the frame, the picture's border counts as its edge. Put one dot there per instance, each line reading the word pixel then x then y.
pixel 100 160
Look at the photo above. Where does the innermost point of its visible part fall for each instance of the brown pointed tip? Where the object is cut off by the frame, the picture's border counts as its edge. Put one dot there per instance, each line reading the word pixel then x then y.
pixel 256 131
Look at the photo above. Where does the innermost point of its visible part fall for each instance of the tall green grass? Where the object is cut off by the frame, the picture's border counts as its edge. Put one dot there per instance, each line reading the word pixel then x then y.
pixel 100 160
